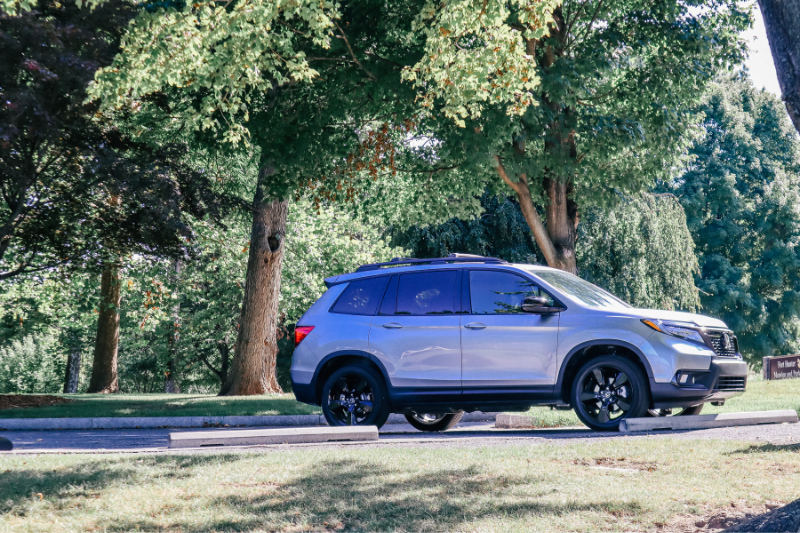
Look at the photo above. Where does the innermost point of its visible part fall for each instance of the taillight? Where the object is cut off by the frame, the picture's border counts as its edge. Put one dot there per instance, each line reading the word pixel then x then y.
pixel 300 333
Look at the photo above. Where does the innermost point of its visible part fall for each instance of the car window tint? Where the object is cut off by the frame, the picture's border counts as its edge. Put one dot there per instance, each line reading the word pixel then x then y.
pixel 500 293
pixel 426 293
pixel 389 304
pixel 361 297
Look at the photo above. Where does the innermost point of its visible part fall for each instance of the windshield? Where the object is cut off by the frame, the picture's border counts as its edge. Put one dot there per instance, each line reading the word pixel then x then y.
pixel 581 290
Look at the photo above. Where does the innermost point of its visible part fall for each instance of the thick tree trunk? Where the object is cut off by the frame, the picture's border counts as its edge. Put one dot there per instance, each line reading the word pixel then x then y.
pixel 556 236
pixel 104 368
pixel 72 374
pixel 170 385
pixel 782 20
pixel 254 358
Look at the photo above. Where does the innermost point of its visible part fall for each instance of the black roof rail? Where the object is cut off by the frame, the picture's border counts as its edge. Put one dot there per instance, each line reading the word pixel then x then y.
pixel 452 258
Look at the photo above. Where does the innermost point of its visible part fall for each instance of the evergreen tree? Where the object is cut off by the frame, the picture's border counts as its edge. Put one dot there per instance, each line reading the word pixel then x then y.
pixel 742 200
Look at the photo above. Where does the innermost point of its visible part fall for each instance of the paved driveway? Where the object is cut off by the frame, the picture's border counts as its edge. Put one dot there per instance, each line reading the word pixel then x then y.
pixel 467 434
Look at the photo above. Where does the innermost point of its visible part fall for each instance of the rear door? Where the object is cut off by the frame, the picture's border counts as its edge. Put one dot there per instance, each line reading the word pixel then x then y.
pixel 416 336
pixel 507 354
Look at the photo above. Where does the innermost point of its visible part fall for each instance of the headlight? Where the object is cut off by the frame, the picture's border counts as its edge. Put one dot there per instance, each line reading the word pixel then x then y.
pixel 683 330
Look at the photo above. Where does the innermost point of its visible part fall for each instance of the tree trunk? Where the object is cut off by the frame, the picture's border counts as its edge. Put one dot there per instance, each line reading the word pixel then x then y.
pixel 73 371
pixel 556 236
pixel 254 358
pixel 782 20
pixel 104 368
pixel 170 385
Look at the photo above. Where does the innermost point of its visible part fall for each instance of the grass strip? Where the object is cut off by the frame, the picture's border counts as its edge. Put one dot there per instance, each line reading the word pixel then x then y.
pixel 126 405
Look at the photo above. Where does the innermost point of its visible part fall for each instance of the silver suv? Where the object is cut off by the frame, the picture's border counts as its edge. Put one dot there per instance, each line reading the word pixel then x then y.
pixel 433 338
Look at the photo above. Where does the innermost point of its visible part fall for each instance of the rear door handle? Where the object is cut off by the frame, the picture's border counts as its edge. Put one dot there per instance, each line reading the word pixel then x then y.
pixel 392 325
pixel 475 325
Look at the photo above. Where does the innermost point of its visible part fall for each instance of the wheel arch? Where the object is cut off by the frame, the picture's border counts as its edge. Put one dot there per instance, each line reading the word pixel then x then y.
pixel 589 350
pixel 336 360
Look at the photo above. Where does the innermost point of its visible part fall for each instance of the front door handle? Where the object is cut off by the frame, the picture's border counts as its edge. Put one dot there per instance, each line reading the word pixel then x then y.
pixel 392 325
pixel 475 325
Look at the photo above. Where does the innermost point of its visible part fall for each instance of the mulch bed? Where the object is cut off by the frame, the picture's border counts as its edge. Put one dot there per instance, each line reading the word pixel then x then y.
pixel 15 401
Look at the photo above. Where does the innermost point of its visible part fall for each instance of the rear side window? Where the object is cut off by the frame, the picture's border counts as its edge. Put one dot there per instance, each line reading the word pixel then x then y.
pixel 500 293
pixel 426 293
pixel 361 297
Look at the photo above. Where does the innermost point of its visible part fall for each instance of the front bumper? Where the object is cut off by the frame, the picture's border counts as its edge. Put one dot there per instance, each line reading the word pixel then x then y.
pixel 725 379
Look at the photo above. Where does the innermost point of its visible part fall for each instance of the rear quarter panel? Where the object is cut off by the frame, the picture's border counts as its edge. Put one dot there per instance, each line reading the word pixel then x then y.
pixel 332 332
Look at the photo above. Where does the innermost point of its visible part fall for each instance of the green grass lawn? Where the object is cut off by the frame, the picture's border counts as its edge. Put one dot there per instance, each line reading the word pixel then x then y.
pixel 97 405
pixel 612 486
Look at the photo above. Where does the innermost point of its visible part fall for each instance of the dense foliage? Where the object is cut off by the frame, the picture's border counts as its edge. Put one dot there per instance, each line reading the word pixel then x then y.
pixel 642 251
pixel 187 315
pixel 742 200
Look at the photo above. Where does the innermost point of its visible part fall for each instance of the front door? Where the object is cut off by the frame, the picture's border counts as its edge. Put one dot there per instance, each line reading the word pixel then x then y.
pixel 507 354
pixel 416 337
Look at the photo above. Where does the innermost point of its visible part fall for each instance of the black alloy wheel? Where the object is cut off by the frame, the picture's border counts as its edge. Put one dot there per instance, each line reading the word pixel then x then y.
pixel 355 396
pixel 676 411
pixel 434 421
pixel 608 390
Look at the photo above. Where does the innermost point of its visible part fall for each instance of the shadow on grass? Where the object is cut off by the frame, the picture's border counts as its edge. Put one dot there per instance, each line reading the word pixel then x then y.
pixel 91 478
pixel 766 448
pixel 354 495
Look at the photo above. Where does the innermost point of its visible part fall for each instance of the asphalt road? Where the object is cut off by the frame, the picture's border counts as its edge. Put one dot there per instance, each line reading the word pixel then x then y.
pixel 467 434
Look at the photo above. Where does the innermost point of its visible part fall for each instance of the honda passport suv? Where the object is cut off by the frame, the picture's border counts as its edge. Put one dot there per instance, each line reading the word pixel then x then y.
pixel 433 338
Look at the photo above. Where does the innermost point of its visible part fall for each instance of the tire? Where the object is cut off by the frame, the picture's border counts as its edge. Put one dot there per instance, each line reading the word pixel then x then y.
pixel 684 411
pixel 607 390
pixel 355 396
pixel 434 422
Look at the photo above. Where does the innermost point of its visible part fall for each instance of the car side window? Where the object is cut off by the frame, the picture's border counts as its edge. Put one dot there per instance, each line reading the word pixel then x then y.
pixel 501 293
pixel 426 293
pixel 361 297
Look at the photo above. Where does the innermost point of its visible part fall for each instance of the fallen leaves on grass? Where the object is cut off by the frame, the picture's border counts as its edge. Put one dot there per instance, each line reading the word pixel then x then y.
pixel 16 401
pixel 617 463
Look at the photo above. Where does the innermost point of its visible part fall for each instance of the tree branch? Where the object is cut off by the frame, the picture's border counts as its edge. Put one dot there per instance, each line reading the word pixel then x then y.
pixel 353 55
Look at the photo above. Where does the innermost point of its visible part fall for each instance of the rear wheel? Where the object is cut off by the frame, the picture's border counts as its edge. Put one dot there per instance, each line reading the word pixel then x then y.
pixel 676 411
pixel 607 390
pixel 434 422
pixel 355 396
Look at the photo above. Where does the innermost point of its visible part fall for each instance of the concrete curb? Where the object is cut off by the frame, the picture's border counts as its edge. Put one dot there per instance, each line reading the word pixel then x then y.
pixel 32 424
pixel 709 421
pixel 504 421
pixel 255 437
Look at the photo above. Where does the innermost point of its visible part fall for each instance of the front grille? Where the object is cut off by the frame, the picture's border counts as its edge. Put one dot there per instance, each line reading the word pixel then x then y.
pixel 731 383
pixel 720 347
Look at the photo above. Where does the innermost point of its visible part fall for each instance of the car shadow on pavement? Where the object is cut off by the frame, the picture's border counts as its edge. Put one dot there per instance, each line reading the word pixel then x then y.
pixel 354 495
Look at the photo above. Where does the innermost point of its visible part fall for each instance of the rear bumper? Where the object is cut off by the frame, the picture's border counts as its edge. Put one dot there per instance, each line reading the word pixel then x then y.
pixel 711 388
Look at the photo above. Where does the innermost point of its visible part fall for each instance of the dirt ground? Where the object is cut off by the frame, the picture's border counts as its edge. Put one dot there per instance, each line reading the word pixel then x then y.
pixel 738 516
pixel 13 401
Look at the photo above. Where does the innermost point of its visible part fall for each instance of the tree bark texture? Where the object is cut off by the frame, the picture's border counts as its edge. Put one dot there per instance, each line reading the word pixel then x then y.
pixel 556 235
pixel 72 374
pixel 170 385
pixel 255 354
pixel 782 20
pixel 104 368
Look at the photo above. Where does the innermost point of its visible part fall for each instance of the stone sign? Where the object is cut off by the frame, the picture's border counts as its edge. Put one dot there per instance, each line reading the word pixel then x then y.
pixel 782 367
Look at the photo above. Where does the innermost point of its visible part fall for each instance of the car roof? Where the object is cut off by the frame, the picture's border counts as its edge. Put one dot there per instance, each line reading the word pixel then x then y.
pixel 403 267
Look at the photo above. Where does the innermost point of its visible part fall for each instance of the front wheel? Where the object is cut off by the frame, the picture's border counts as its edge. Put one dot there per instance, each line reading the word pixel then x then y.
pixel 434 422
pixel 607 390
pixel 355 396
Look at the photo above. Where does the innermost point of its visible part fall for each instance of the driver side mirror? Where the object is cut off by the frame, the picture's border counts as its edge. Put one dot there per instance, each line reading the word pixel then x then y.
pixel 538 305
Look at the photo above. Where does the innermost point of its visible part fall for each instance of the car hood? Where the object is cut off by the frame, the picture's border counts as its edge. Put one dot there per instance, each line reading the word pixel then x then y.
pixel 676 316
